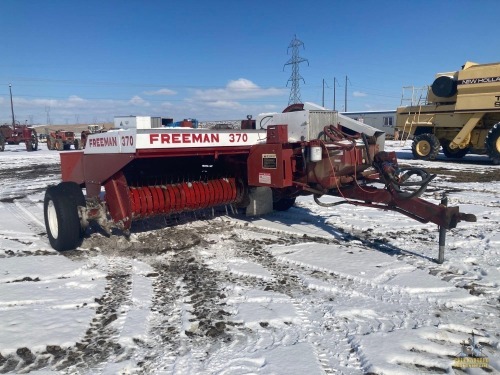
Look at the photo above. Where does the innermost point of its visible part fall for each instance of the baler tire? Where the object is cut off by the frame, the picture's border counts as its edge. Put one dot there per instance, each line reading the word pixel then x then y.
pixel 492 143
pixel 451 153
pixel 61 216
pixel 283 204
pixel 425 147
pixel 74 191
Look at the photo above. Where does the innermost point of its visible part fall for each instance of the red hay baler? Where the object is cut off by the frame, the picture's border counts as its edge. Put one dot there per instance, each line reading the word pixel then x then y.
pixel 164 171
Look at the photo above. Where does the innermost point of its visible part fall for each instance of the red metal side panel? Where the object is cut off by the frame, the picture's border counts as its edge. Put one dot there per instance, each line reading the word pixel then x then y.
pixel 270 165
pixel 118 199
pixel 72 166
pixel 277 134
pixel 98 168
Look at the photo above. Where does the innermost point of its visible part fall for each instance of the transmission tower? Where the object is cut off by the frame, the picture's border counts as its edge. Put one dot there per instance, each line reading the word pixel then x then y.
pixel 294 61
pixel 47 110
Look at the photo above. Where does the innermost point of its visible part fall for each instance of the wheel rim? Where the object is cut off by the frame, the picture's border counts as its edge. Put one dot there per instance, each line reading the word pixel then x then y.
pixel 52 219
pixel 497 144
pixel 423 148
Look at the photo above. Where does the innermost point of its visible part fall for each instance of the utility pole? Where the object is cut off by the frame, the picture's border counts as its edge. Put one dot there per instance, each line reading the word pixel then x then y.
pixel 294 61
pixel 323 97
pixel 345 95
pixel 335 93
pixel 12 108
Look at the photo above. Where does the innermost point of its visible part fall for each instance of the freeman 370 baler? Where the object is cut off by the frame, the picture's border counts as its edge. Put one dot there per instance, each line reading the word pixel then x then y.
pixel 165 171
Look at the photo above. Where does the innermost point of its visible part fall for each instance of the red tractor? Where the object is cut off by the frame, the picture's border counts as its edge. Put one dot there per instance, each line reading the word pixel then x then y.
pixel 92 129
pixel 15 134
pixel 62 140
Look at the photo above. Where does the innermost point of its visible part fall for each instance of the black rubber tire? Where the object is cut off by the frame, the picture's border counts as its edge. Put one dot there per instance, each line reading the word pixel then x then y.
pixel 2 143
pixel 444 87
pixel 492 144
pixel 451 153
pixel 75 192
pixel 61 215
pixel 76 143
pixel 34 141
pixel 425 147
pixel 282 199
pixel 283 204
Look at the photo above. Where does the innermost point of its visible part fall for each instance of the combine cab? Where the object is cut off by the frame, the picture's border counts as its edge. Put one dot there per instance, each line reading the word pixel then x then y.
pixel 159 171
pixel 62 140
pixel 13 135
pixel 460 112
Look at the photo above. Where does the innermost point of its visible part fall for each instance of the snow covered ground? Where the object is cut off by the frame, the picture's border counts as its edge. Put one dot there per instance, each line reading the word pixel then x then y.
pixel 313 290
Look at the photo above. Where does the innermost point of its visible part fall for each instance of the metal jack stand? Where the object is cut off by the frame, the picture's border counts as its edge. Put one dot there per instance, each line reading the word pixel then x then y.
pixel 442 234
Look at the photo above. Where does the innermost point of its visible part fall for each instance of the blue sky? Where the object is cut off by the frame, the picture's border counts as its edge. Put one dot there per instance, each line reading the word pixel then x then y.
pixel 87 61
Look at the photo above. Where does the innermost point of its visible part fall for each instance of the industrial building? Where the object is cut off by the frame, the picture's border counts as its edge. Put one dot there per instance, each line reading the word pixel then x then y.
pixel 382 120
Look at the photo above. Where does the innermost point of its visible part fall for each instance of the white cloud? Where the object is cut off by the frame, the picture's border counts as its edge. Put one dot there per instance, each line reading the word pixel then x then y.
pixel 225 104
pixel 138 101
pixel 235 100
pixel 359 94
pixel 237 89
pixel 76 99
pixel 161 92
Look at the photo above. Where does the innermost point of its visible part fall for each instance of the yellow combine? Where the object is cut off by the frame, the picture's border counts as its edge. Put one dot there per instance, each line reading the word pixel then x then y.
pixel 460 113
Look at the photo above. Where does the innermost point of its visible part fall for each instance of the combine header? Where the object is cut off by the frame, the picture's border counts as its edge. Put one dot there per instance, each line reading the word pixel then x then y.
pixel 163 171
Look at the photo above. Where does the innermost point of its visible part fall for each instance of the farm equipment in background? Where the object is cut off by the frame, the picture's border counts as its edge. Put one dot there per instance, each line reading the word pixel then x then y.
pixel 92 129
pixel 459 112
pixel 62 140
pixel 186 123
pixel 165 171
pixel 15 134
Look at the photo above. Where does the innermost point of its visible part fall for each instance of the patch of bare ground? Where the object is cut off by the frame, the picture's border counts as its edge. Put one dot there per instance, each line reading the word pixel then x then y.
pixel 467 175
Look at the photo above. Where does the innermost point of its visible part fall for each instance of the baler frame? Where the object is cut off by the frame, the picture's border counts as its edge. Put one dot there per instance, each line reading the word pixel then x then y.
pixel 147 172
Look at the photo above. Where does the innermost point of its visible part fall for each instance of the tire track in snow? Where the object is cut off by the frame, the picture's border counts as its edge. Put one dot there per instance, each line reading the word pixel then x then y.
pixel 188 314
pixel 331 347
pixel 158 351
pixel 413 310
pixel 98 345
